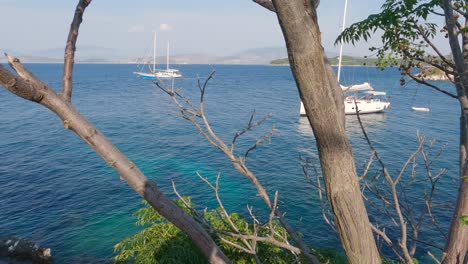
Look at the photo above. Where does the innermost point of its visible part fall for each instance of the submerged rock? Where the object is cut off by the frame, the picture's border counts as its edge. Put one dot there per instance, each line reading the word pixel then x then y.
pixel 19 248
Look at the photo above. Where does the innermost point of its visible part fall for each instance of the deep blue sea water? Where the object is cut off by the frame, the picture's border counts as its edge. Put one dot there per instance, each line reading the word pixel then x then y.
pixel 56 191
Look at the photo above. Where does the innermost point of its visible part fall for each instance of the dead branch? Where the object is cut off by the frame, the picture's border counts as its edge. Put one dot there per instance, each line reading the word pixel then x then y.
pixel 70 49
pixel 318 185
pixel 422 81
pixel 393 183
pixel 367 167
pixel 250 126
pixel 266 4
pixel 27 86
pixel 32 89
pixel 259 142
pixel 433 257
pixel 403 208
pixel 249 239
pixel 434 48
pixel 198 118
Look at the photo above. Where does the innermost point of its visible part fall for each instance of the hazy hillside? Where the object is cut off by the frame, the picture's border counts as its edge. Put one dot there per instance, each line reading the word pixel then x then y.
pixel 94 54
pixel 346 60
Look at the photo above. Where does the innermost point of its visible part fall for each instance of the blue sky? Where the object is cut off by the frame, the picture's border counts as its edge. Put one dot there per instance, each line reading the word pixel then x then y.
pixel 203 26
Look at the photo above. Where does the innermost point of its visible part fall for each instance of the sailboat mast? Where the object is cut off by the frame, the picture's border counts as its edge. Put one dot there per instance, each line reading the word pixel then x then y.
pixel 167 56
pixel 341 46
pixel 154 52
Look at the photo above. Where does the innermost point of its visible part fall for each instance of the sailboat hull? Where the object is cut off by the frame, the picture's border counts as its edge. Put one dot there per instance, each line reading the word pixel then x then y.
pixel 365 106
pixel 146 75
pixel 158 75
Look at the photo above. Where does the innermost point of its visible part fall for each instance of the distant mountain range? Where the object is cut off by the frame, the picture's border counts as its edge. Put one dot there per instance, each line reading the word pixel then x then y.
pixel 94 54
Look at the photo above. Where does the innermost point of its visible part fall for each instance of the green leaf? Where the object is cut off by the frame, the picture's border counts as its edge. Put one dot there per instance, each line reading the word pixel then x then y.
pixel 463 220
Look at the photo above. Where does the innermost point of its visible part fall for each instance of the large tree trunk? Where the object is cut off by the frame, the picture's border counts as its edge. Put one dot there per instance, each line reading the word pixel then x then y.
pixel 320 93
pixel 30 88
pixel 456 248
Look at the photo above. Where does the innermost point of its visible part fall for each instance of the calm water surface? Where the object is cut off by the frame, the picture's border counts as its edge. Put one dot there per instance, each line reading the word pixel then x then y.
pixel 57 192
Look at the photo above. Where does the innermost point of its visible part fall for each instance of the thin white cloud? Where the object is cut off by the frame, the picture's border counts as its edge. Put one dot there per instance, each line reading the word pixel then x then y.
pixel 165 27
pixel 136 29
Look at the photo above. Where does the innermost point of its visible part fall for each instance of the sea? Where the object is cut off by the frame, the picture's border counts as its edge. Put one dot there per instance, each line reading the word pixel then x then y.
pixel 55 191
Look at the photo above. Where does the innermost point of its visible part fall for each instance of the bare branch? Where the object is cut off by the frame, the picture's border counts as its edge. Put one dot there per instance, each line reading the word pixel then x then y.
pixel 260 141
pixel 249 127
pixel 26 75
pixel 268 239
pixel 318 185
pixel 368 165
pixel 206 130
pixel 411 157
pixel 248 251
pixel 403 228
pixel 266 4
pixel 74 121
pixel 389 242
pixel 70 49
pixel 245 238
pixel 421 81
pixel 436 50
pixel 203 88
pixel 433 257
pixel 459 10
pixel 19 87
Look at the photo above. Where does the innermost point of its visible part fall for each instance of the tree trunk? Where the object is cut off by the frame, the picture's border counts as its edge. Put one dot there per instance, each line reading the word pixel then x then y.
pixel 456 248
pixel 321 93
pixel 29 87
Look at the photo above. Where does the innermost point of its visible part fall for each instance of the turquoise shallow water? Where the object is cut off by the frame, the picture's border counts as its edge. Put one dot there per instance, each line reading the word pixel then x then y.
pixel 57 192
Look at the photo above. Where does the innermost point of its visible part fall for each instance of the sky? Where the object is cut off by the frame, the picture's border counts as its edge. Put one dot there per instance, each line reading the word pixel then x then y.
pixel 204 26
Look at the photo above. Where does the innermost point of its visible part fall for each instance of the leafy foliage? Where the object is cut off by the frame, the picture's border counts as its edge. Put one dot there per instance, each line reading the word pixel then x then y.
pixel 407 35
pixel 159 242
pixel 162 242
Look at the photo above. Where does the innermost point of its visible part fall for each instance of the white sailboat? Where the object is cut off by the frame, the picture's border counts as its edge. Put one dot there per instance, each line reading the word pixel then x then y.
pixel 371 102
pixel 153 72
pixel 168 72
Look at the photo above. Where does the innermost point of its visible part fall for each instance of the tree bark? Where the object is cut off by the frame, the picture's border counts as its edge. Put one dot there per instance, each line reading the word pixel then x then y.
pixel 456 248
pixel 29 87
pixel 322 98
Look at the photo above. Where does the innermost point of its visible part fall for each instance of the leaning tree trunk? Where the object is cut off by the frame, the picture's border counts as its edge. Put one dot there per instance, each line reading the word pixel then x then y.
pixel 319 91
pixel 456 248
pixel 29 87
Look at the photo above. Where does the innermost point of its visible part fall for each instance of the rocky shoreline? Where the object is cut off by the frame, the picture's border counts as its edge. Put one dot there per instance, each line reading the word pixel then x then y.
pixel 433 74
pixel 22 249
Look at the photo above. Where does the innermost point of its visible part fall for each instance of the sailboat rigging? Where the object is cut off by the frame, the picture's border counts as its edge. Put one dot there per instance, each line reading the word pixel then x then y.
pixel 371 102
pixel 153 72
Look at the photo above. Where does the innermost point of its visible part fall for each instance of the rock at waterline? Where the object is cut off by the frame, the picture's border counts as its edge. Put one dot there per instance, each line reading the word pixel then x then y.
pixel 19 248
